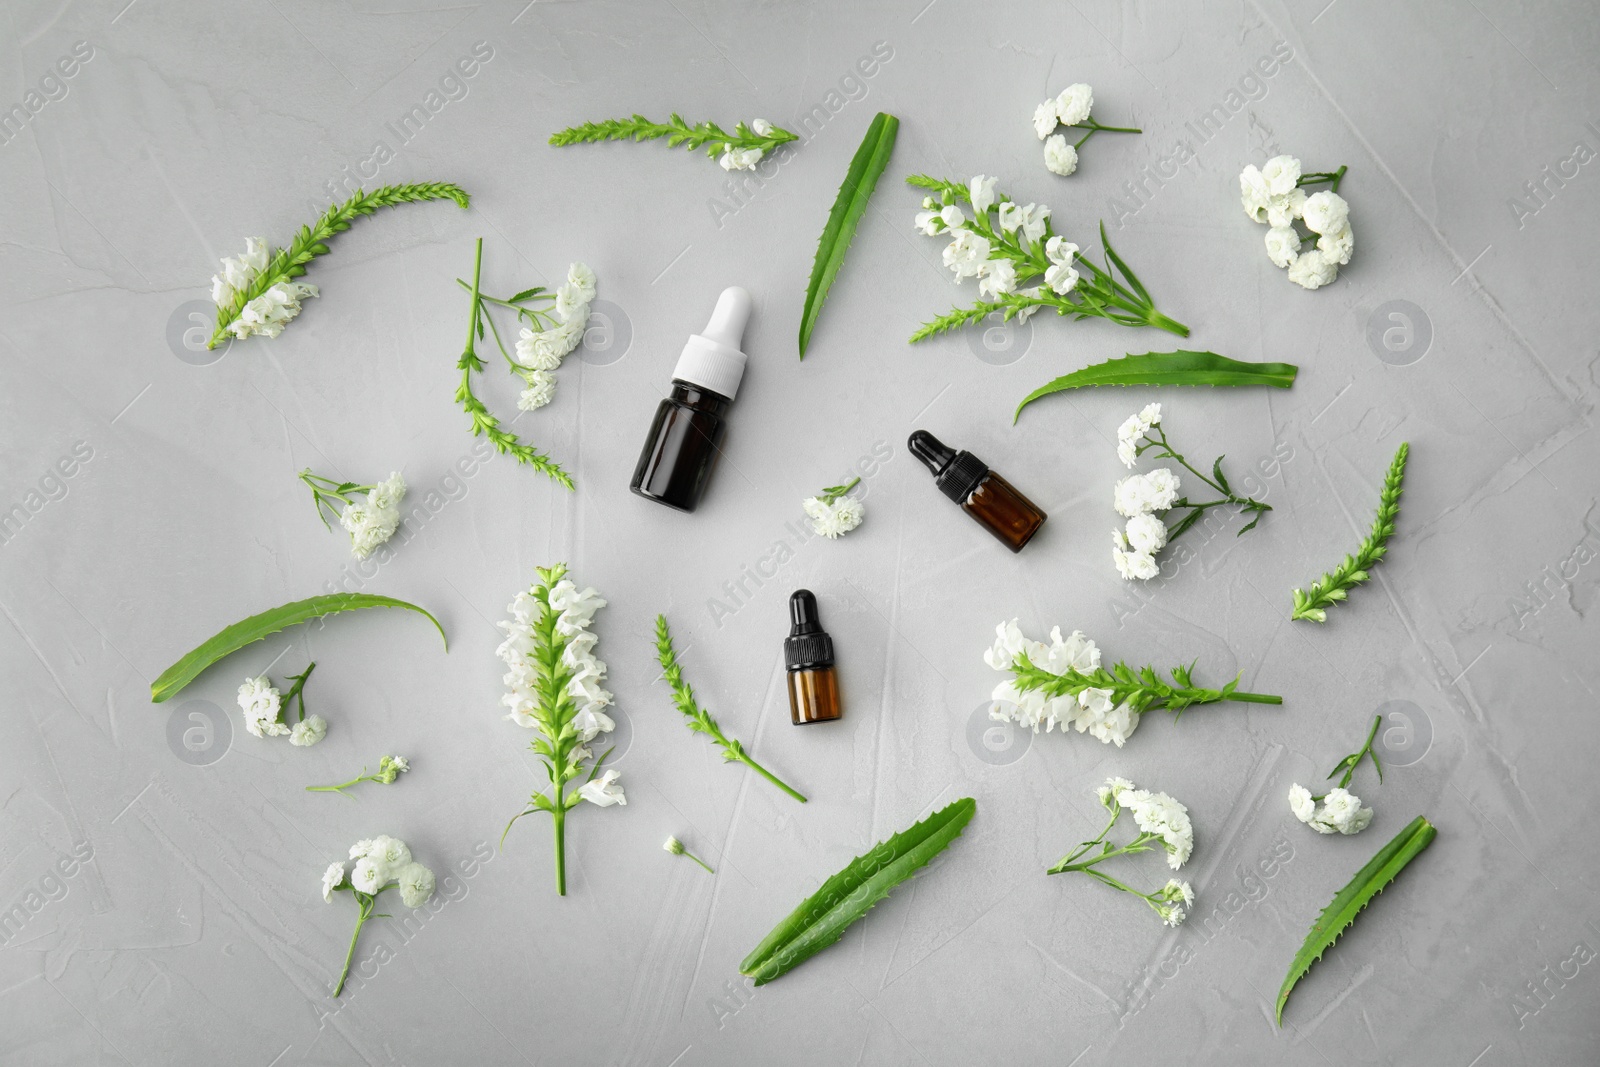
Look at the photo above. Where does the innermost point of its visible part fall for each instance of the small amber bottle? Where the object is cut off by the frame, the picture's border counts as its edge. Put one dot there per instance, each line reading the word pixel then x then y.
pixel 991 500
pixel 808 655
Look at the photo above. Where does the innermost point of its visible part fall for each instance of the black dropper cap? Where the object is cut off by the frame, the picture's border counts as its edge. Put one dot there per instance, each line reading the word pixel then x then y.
pixel 956 474
pixel 808 645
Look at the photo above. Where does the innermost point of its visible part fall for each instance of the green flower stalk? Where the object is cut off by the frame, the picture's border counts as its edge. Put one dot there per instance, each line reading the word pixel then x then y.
pixel 741 150
pixel 674 846
pixel 256 292
pixel 698 719
pixel 1005 246
pixel 1336 584
pixel 389 769
pixel 554 680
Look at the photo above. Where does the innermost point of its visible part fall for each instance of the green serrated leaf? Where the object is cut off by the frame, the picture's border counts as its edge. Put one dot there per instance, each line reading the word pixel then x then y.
pixel 1169 368
pixel 1348 902
pixel 822 918
pixel 256 627
pixel 868 165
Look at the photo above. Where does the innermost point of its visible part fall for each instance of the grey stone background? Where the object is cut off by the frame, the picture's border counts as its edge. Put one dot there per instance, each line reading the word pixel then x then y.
pixel 191 929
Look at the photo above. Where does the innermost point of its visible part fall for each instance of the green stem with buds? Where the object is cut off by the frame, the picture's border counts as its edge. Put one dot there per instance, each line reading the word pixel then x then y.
pixel 1335 585
pixel 707 135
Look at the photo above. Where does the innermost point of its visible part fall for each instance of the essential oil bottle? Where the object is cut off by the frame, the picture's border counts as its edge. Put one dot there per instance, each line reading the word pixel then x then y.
pixel 808 655
pixel 991 500
pixel 686 435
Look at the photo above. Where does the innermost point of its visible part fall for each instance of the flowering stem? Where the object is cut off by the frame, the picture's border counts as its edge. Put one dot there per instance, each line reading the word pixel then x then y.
pixel 1335 177
pixel 341 787
pixel 560 817
pixel 698 860
pixel 769 776
pixel 1352 761
pixel 1138 844
pixel 298 689
pixel 366 902
pixel 1141 690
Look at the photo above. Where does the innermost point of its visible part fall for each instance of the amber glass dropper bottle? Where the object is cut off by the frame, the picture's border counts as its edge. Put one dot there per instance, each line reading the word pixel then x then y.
pixel 808 655
pixel 994 503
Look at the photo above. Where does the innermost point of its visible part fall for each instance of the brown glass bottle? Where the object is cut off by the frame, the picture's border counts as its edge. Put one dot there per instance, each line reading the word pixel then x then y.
pixel 808 655
pixel 681 448
pixel 992 501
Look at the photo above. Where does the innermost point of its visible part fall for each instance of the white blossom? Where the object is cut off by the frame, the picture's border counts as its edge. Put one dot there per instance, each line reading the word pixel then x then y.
pixel 1131 564
pixel 388 493
pixel 1313 270
pixel 309 731
pixel 761 128
pixel 569 299
pixel 1045 119
pixel 580 276
pixel 331 879
pixel 1132 431
pixel 1326 212
pixel 1254 193
pixel 967 254
pixel 1301 803
pixel 1033 292
pixel 1283 210
pixel 274 309
pixel 1281 174
pixel 999 276
pixel 1139 494
pixel 952 217
pixel 416 884
pixel 1337 246
pixel 367 875
pixel 1074 103
pixel 261 703
pixel 834 520
pixel 603 791
pixel 1059 156
pixel 1147 534
pixel 1283 245
pixel 740 158
pixel 928 222
pixel 1160 814
pixel 540 391
pixel 981 189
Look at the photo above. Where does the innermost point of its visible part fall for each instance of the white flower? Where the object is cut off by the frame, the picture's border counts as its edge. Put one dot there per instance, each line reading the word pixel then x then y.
pixel 1300 802
pixel 416 884
pixel 392 852
pixel 270 312
pixel 1008 643
pixel 1162 486
pixel 592 721
pixel 367 875
pixel 1133 566
pixel 570 300
pixel 331 878
pixel 1147 534
pixel 928 222
pixel 1131 433
pixel 239 271
pixel 1025 312
pixel 998 276
pixel 309 731
pixel 577 608
pixel 1283 245
pixel 1283 210
pixel 388 493
pixel 1254 194
pixel 952 217
pixel 603 791
pixel 740 158
pixel 370 524
pixel 1326 212
pixel 1061 278
pixel 1045 118
pixel 761 128
pixel 1059 156
pixel 673 845
pixel 1060 251
pixel 1313 270
pixel 1341 811
pixel 1074 103
pixel 1010 215
pixel 1171 914
pixel 1113 790
pixel 1033 221
pixel 1337 246
pixel 540 391
pixel 1142 493
pixel 1175 889
pixel 1281 173
pixel 836 519
pixel 580 276
pixel 981 189
pixel 261 703
pixel 967 254
pixel 1160 814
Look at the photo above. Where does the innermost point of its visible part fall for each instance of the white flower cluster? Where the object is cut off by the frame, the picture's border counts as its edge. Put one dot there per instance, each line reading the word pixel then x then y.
pixel 835 519
pixel 1339 812
pixel 1138 498
pixel 1272 195
pixel 1156 813
pixel 746 158
pixel 968 254
pixel 262 705
pixel 575 611
pixel 373 521
pixel 268 313
pixel 1067 109
pixel 1092 711
pixel 542 351
pixel 381 862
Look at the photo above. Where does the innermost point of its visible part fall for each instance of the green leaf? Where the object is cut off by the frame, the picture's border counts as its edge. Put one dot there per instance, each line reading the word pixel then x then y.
pixel 256 627
pixel 822 918
pixel 1341 912
pixel 1169 368
pixel 871 159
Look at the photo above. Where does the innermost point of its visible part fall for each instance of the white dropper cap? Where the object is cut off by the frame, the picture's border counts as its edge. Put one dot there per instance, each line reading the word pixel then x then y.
pixel 712 358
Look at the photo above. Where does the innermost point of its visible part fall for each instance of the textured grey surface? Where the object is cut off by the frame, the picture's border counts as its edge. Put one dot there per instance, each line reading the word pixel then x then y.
pixel 191 929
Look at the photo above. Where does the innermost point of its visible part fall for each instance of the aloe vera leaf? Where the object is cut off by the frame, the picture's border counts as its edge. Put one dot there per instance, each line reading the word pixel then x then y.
pixel 1169 368
pixel 822 918
pixel 1348 902
pixel 248 631
pixel 871 159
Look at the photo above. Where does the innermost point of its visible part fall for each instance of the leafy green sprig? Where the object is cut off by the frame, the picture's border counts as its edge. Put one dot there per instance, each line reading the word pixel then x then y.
pixel 1098 293
pixel 834 492
pixel 484 422
pixel 298 690
pixel 698 719
pixel 311 241
pixel 1335 585
pixel 707 135
pixel 324 491
pixel 389 769
pixel 1349 764
pixel 1141 690
pixel 1156 438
